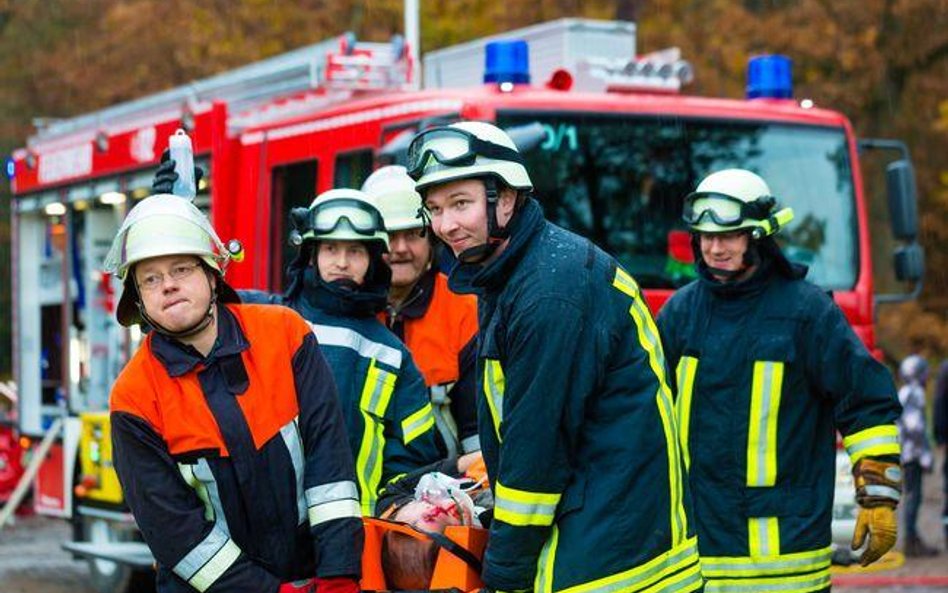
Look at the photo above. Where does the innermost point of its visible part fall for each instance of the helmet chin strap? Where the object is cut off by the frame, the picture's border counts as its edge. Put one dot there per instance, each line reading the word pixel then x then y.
pixel 496 234
pixel 199 326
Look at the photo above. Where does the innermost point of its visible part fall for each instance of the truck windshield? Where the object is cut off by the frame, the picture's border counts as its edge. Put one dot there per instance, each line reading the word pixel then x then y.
pixel 620 180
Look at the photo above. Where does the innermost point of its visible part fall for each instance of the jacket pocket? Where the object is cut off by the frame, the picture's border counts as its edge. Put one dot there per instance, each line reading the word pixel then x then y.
pixel 776 348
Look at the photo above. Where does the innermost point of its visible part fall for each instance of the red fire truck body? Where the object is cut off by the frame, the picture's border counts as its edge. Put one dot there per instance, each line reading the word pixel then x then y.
pixel 610 160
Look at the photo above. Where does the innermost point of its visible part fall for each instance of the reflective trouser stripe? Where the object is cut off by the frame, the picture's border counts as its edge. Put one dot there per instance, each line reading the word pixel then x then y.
pixel 294 444
pixel 417 424
pixel 335 500
pixel 648 339
pixel 783 564
pixel 685 377
pixel 675 571
pixel 804 583
pixel 373 403
pixel 494 392
pixel 522 507
pixel 208 560
pixel 872 442
pixel 762 435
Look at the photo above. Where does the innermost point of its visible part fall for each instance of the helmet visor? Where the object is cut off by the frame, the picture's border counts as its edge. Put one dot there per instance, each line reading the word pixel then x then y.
pixel 723 209
pixel 452 147
pixel 361 217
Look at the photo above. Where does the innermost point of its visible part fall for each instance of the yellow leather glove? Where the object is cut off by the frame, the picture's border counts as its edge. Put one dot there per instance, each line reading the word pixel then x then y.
pixel 878 488
pixel 879 525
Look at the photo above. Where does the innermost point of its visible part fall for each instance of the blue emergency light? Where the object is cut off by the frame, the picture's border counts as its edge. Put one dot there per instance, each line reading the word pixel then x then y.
pixel 769 77
pixel 10 168
pixel 507 61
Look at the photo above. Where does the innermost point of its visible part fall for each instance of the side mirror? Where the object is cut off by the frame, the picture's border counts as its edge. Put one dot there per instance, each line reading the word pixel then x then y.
pixel 909 263
pixel 903 206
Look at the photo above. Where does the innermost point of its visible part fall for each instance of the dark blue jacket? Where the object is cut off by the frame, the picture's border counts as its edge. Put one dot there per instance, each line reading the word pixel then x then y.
pixel 767 370
pixel 576 422
pixel 383 396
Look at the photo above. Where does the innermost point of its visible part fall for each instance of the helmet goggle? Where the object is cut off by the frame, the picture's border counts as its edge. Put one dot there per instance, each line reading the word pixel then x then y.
pixel 361 217
pixel 723 209
pixel 453 147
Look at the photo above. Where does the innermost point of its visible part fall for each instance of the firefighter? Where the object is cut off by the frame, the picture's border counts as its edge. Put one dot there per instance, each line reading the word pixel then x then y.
pixel 339 284
pixel 437 325
pixel 576 419
pixel 227 435
pixel 767 370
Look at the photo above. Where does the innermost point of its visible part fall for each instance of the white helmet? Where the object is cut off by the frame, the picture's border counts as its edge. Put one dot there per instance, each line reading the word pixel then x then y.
pixel 463 150
pixel 731 200
pixel 394 193
pixel 160 225
pixel 344 214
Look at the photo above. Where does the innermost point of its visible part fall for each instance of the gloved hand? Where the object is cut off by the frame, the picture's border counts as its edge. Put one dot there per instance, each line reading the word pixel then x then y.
pixel 337 585
pixel 165 176
pixel 878 488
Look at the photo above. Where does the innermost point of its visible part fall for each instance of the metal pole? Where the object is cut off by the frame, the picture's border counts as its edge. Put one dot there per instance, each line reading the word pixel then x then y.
pixel 412 37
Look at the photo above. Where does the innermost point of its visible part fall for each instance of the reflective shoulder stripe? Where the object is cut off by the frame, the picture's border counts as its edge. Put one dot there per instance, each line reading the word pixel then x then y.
pixel 764 566
pixel 685 379
pixel 294 444
pixel 767 385
pixel 625 283
pixel 336 500
pixel 873 442
pixel 494 384
pixel 332 335
pixel 676 571
pixel 522 507
pixel 208 560
pixel 417 424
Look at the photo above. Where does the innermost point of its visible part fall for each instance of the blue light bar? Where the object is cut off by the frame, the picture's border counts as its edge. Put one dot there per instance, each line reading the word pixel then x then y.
pixel 769 77
pixel 10 168
pixel 507 61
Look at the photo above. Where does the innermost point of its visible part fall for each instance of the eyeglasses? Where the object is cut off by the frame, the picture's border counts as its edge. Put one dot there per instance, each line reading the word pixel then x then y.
pixel 723 209
pixel 179 272
pixel 453 147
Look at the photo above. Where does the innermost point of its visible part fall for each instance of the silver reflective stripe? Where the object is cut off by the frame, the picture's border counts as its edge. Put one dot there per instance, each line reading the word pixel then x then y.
pixel 330 335
pixel 471 444
pixel 654 575
pixel 336 500
pixel 208 560
pixel 762 432
pixel 494 383
pixel 883 491
pixel 787 584
pixel 798 562
pixel 207 490
pixel 294 444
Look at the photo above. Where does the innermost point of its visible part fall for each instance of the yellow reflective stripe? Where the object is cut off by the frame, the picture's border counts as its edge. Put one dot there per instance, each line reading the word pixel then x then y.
pixel 417 424
pixel 625 283
pixel 763 536
pixel 187 472
pixel 777 584
pixel 376 395
pixel 674 479
pixel 745 566
pixel 762 435
pixel 685 377
pixel 522 507
pixel 208 560
pixel 547 560
pixel 494 384
pixel 873 442
pixel 677 569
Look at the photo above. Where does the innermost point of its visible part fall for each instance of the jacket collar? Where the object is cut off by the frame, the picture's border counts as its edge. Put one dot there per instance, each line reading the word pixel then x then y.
pixel 525 228
pixel 179 358
pixel 419 298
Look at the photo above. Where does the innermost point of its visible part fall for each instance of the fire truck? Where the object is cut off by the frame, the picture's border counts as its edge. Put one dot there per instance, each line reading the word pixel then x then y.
pixel 611 142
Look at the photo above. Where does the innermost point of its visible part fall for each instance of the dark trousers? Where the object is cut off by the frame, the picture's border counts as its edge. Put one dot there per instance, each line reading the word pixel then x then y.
pixel 911 497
